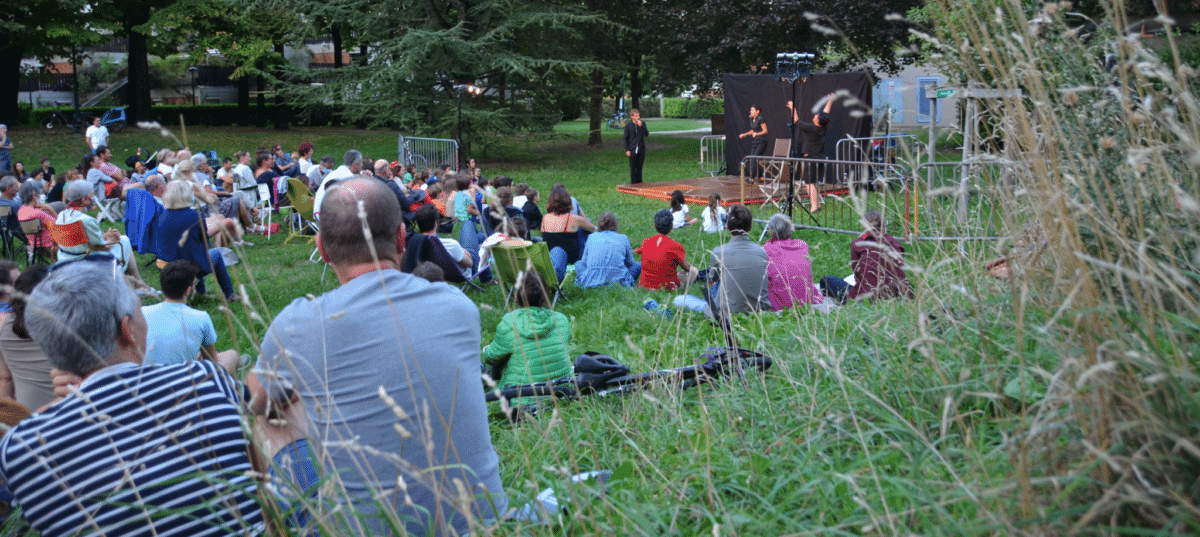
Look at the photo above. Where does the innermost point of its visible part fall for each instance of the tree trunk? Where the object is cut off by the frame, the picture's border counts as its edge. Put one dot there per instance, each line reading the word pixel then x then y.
pixel 280 117
pixel 336 32
pixel 635 82
pixel 138 90
pixel 243 115
pixel 595 107
pixel 10 86
pixel 261 116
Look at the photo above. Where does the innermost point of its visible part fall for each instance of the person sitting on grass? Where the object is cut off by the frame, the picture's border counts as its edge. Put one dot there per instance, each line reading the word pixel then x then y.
pixel 877 260
pixel 737 273
pixel 679 211
pixel 560 226
pixel 180 233
pixel 789 272
pixel 533 214
pixel 134 449
pixel 78 195
pixel 177 333
pixel 607 257
pixel 532 343
pixel 661 256
pixel 714 215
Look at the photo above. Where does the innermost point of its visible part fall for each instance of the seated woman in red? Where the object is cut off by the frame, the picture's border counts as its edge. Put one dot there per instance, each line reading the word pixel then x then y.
pixel 661 255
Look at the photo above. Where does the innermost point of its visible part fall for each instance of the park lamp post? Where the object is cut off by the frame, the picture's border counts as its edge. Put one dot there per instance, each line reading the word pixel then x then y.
pixel 474 90
pixel 193 71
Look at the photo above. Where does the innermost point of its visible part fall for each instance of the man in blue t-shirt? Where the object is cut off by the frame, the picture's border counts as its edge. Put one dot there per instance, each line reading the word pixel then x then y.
pixel 176 332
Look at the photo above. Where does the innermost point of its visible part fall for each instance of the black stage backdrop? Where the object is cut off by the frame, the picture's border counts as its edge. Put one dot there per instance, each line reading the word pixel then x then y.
pixel 763 91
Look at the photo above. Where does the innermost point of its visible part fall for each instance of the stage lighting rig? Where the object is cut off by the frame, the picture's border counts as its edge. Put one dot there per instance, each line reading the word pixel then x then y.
pixel 793 66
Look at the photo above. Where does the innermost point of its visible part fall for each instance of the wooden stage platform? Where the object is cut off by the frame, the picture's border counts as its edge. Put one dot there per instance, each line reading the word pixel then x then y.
pixel 696 191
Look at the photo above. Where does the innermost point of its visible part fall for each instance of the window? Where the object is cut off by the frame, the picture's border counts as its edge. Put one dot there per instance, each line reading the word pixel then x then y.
pixel 924 103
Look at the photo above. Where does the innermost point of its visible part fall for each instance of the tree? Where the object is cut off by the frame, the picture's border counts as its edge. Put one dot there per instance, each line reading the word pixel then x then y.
pixel 697 41
pixel 38 28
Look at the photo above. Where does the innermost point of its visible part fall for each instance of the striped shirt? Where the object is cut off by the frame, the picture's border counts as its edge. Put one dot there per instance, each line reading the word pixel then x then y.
pixel 154 450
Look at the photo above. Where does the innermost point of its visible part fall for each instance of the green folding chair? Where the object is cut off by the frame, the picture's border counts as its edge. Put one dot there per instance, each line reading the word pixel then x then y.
pixel 302 208
pixel 509 262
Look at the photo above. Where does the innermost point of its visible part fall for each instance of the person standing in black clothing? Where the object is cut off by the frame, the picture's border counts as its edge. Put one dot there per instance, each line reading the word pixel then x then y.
pixel 758 145
pixel 812 146
pixel 635 145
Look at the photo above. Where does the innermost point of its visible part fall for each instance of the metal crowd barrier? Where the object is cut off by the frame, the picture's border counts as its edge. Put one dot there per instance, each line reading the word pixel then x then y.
pixel 428 152
pixel 712 154
pixel 867 148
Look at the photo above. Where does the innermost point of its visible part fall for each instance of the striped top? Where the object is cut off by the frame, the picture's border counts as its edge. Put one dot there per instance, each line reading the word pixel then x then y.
pixel 153 450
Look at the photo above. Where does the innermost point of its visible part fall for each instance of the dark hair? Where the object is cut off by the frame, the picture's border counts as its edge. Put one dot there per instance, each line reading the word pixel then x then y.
pixel 433 190
pixel 177 277
pixel 559 201
pixel 606 222
pixel 24 286
pixel 426 218
pixel 663 221
pixel 823 119
pixel 429 271
pixel 462 182
pixel 521 225
pixel 714 201
pixel 520 188
pixel 264 157
pixel 482 182
pixel 505 195
pixel 532 290
pixel 305 148
pixel 677 200
pixel 740 219
pixel 86 164
pixel 6 267
pixel 100 149
pixel 327 159
pixel 226 159
pixel 342 234
pixel 531 194
pixel 874 220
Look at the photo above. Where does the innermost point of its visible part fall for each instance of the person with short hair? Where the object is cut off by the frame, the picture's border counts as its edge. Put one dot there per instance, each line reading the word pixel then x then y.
pixel 32 208
pixel 243 176
pixel 737 273
pixel 78 196
pixel 429 271
pixel 9 271
pixel 530 209
pixel 519 197
pixel 359 344
pixel 877 260
pixel 285 164
pixel 9 187
pixel 135 449
pixel 181 232
pixel 352 165
pixel 177 333
pixel 96 135
pixel 321 169
pixel 661 256
pixel 789 271
pixel 635 145
pixel 607 257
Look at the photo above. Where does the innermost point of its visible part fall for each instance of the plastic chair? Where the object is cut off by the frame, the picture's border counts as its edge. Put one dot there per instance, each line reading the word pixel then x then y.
pixel 509 262
pixel 36 250
pixel 264 202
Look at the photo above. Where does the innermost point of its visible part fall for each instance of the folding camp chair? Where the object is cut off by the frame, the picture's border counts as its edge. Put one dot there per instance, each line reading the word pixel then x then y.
pixel 265 203
pixel 37 251
pixel 776 173
pixel 110 209
pixel 301 217
pixel 6 235
pixel 509 262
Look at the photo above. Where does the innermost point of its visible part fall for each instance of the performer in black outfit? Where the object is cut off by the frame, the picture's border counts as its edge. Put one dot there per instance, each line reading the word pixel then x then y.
pixel 812 146
pixel 758 146
pixel 635 145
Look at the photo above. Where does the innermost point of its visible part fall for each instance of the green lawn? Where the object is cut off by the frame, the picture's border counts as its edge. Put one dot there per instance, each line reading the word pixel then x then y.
pixel 845 432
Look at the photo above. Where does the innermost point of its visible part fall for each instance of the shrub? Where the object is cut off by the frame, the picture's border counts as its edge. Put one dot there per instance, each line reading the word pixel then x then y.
pixel 701 108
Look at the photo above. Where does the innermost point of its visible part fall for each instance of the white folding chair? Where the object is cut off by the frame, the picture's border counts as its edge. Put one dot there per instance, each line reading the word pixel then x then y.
pixel 264 202
pixel 776 174
pixel 110 209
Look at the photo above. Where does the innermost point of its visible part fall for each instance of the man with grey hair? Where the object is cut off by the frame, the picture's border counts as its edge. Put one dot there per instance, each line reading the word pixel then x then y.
pixel 352 165
pixel 8 198
pixel 383 173
pixel 396 398
pixel 136 449
pixel 317 174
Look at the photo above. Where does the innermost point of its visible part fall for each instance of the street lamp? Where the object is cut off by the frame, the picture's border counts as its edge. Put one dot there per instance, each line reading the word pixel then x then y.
pixel 193 70
pixel 474 90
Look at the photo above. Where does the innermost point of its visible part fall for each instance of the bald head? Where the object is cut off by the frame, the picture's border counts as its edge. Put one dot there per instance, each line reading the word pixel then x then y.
pixel 341 232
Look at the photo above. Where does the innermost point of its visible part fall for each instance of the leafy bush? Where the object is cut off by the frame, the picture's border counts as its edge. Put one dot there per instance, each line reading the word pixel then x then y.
pixel 701 108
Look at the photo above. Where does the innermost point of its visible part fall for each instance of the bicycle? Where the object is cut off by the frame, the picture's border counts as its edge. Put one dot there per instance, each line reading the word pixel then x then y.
pixel 59 119
pixel 619 120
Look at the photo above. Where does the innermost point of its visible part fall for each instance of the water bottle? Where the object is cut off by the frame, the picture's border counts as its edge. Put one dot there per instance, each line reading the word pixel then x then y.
pixel 653 306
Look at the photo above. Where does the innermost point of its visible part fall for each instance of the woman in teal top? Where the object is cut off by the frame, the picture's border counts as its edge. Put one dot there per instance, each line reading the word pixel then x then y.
pixel 532 344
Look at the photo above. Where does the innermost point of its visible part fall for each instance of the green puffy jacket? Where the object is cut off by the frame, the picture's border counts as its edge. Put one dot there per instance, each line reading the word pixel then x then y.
pixel 532 345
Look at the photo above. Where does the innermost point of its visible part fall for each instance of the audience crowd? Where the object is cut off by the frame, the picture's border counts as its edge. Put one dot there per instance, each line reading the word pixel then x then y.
pixel 387 396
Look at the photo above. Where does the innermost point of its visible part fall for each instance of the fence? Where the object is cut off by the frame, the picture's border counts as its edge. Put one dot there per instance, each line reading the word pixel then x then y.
pixel 428 152
pixel 955 201
pixel 712 154
pixel 875 148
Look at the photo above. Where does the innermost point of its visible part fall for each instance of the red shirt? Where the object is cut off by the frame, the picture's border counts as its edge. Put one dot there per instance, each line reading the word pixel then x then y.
pixel 660 256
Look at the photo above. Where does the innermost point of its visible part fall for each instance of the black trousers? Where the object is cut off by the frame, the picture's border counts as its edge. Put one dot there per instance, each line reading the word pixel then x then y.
pixel 635 166
pixel 758 147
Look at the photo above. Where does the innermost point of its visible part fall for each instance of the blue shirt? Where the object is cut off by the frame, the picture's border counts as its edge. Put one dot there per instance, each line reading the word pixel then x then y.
pixel 607 257
pixel 176 333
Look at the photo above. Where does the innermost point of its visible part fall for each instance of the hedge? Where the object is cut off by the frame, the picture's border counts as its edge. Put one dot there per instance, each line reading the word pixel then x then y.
pixel 692 108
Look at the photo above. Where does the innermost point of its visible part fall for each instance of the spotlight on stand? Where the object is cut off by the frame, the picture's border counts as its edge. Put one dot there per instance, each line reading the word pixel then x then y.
pixel 792 66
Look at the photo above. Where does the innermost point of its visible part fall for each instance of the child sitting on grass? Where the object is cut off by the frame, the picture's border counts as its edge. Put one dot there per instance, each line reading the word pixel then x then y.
pixel 679 211
pixel 714 214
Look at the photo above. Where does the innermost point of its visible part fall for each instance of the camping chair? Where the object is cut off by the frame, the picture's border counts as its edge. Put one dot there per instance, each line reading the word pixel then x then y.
pixel 37 252
pixel 509 262
pixel 69 235
pixel 265 203
pixel 110 209
pixel 6 235
pixel 776 173
pixel 301 217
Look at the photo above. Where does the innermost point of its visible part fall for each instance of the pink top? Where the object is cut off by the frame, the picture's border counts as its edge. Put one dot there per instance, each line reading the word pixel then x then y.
pixel 789 274
pixel 29 213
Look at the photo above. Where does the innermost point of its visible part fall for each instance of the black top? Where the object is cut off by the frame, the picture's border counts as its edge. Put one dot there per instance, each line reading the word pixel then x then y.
pixel 635 137
pixel 812 138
